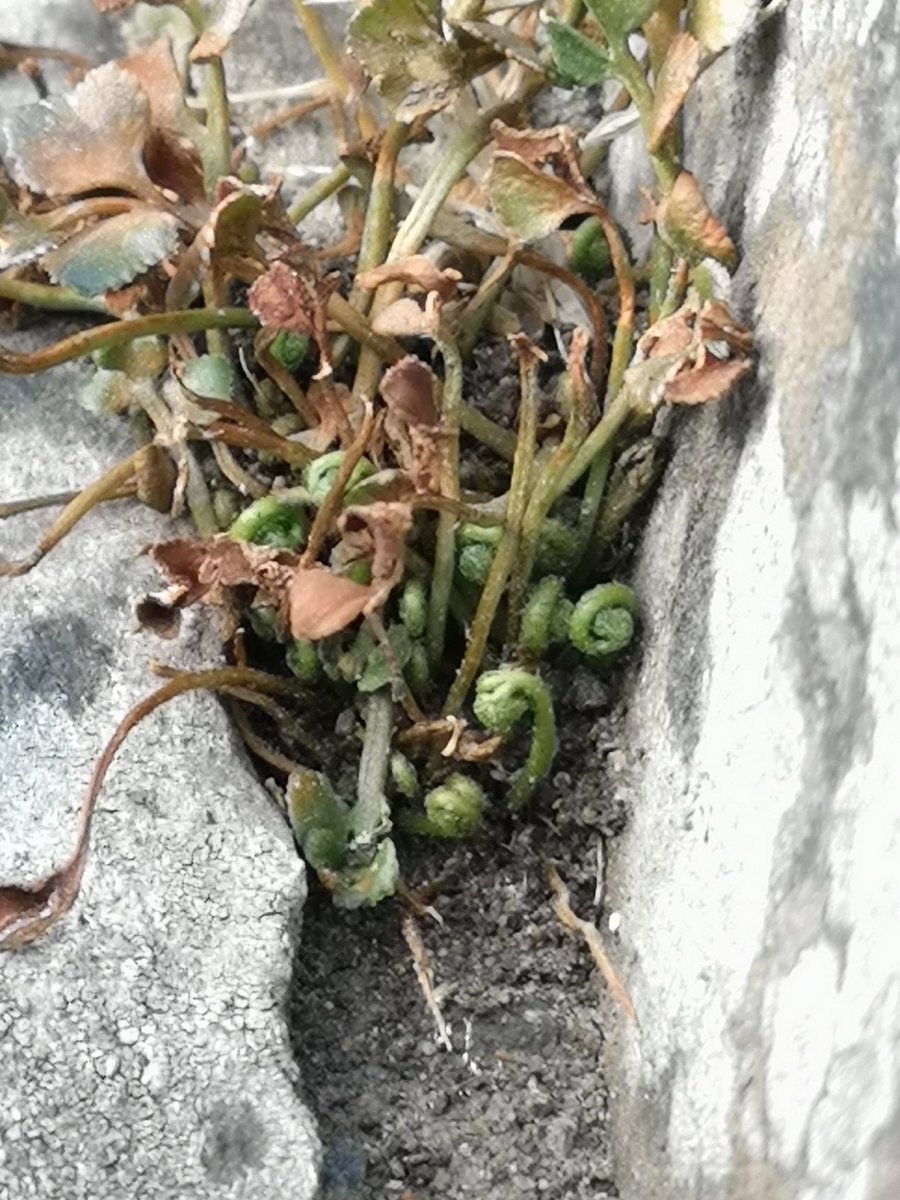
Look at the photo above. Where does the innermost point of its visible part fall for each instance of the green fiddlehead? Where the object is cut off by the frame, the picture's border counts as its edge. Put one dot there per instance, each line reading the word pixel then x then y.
pixel 502 698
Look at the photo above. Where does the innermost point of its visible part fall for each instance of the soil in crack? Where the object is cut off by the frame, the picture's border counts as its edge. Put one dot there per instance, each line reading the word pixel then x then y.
pixel 517 1109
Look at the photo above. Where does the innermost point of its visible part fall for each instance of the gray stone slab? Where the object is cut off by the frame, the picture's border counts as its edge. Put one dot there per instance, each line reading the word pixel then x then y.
pixel 143 1050
pixel 143 1046
pixel 757 884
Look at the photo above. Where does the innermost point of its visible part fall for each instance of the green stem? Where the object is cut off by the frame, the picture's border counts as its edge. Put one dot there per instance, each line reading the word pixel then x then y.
pixel 198 498
pixel 488 432
pixel 445 547
pixel 314 196
pixel 459 153
pixel 49 296
pixel 188 320
pixel 629 70
pixel 217 159
pixel 371 810
pixel 380 211
pixel 505 555
pixel 661 257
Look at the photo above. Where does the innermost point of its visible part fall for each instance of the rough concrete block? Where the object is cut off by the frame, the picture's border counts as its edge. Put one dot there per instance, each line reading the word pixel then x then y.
pixel 143 1043
pixel 757 882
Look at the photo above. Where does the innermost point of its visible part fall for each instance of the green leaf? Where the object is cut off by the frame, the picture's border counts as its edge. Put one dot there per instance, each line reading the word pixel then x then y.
pixel 589 251
pixel 402 46
pixel 577 58
pixel 378 672
pixel 114 252
pixel 530 203
pixel 354 887
pixel 208 376
pixel 319 819
pixel 620 17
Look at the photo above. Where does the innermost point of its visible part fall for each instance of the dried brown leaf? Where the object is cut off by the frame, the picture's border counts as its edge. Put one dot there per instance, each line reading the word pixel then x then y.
pixel 377 532
pixel 405 318
pixel 689 338
pixel 408 389
pixel 556 147
pixel 412 424
pixel 676 77
pixel 688 225
pixel 321 603
pixel 204 570
pixel 711 380
pixel 284 298
pixel 417 271
pixel 92 139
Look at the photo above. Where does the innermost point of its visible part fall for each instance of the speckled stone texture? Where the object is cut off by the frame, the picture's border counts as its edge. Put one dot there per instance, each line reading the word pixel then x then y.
pixel 143 1043
pixel 758 882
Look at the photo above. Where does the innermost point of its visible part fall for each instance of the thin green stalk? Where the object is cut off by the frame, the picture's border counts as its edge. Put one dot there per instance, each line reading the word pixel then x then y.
pixel 482 303
pixel 319 192
pixel 445 546
pixel 459 153
pixel 505 555
pixel 217 159
pixel 370 813
pixel 488 432
pixel 216 150
pixel 50 296
pixel 186 320
pixel 380 211
pixel 320 40
pixel 660 270
pixel 199 500
pixel 108 485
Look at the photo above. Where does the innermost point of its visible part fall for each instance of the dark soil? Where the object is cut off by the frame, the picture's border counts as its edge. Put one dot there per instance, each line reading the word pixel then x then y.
pixel 517 1109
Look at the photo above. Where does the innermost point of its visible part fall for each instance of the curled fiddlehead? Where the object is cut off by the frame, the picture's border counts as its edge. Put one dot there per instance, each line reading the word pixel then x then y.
pixel 502 698
pixel 268 522
pixel 603 621
pixel 452 810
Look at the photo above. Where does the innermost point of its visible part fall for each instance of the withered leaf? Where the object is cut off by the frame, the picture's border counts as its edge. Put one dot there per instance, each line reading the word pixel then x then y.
pixel 402 46
pixel 287 299
pixel 688 339
pixel 113 252
pixel 556 147
pixel 676 77
pixel 405 318
pixel 155 70
pixel 377 531
pixel 204 569
pixel 504 40
pixel 687 224
pixel 529 202
pixel 321 603
pixel 408 389
pixel 707 382
pixel 417 270
pixel 92 139
pixel 412 424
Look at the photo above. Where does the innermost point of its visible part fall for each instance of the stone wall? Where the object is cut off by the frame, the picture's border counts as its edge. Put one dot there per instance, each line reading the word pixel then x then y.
pixel 758 881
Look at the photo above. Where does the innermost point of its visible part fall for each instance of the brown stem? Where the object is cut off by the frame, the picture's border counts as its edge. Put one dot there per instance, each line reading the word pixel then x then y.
pixel 95 493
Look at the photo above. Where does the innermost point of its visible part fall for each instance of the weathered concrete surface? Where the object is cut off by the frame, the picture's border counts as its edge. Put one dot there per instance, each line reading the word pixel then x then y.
pixel 758 883
pixel 143 1049
pixel 143 1044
